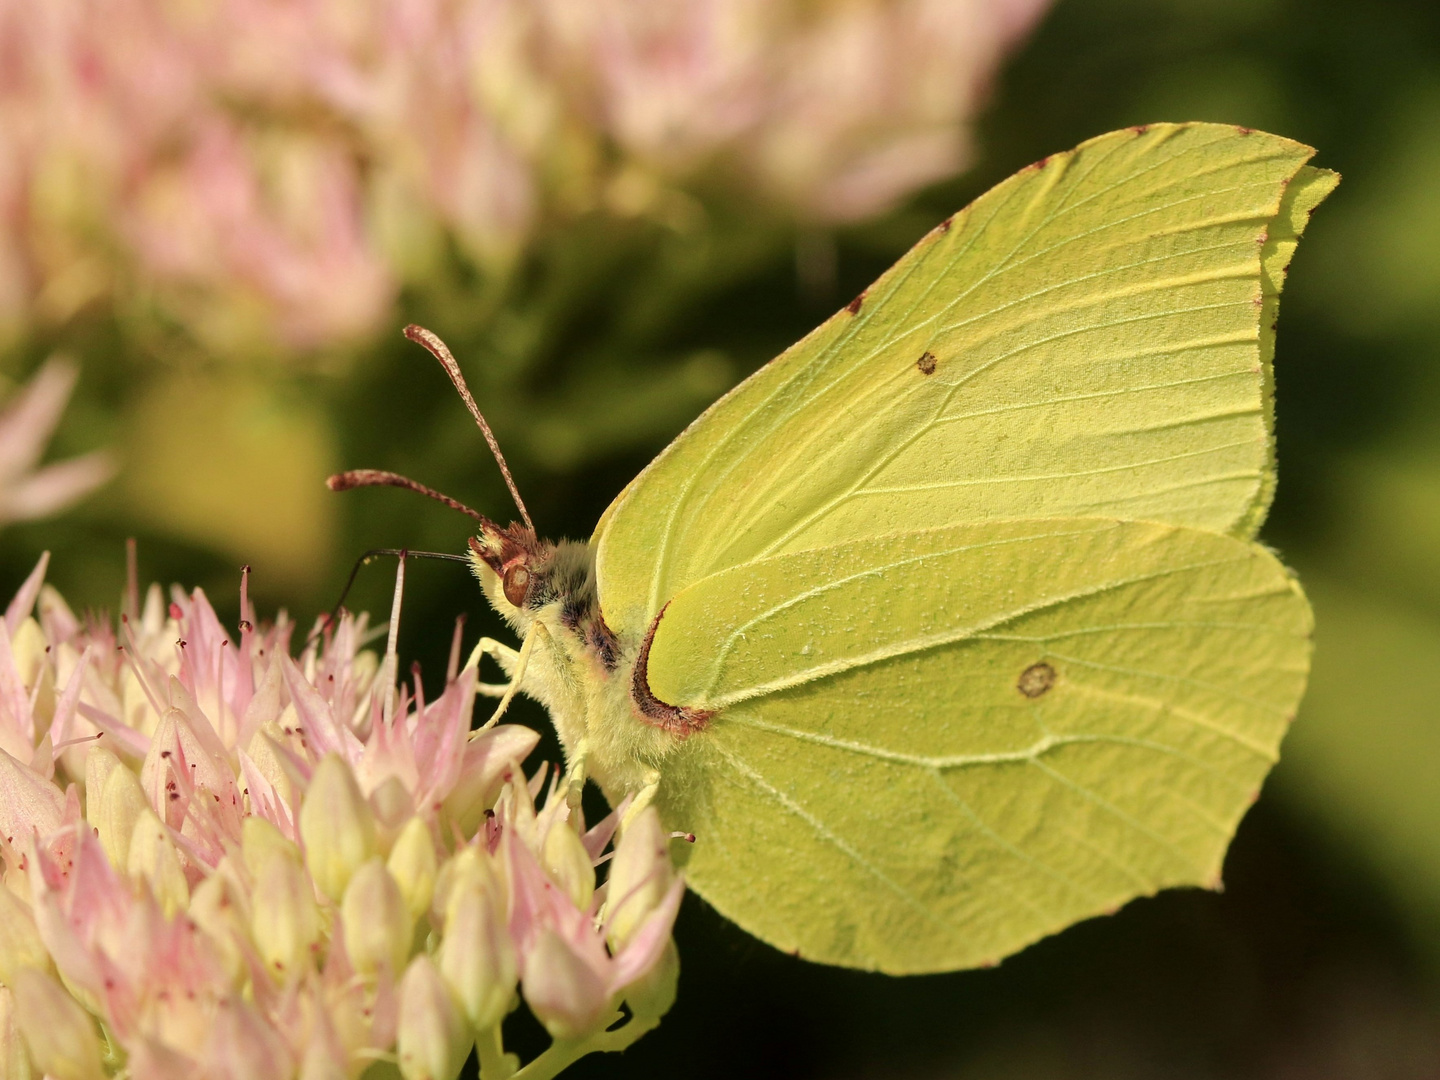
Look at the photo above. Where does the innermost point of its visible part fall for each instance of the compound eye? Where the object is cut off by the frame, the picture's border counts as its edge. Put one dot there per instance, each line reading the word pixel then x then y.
pixel 516 584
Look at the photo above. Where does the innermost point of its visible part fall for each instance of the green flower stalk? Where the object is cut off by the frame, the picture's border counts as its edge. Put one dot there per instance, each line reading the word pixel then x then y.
pixel 222 859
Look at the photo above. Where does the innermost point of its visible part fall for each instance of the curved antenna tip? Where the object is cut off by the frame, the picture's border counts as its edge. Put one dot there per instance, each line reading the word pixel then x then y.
pixel 358 478
pixel 437 348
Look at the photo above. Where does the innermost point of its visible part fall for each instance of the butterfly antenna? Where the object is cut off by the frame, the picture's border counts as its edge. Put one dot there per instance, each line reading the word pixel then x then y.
pixel 363 560
pixel 358 478
pixel 425 338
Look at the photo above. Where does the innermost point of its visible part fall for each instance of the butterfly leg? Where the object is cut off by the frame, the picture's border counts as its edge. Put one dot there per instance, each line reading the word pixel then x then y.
pixel 515 663
pixel 505 656
pixel 643 798
pixel 575 774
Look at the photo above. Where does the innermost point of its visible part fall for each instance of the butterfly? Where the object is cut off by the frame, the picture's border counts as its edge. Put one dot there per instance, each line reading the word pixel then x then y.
pixel 948 627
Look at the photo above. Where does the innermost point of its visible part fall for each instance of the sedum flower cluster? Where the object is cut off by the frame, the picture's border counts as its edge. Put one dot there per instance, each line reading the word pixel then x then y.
pixel 224 861
pixel 272 172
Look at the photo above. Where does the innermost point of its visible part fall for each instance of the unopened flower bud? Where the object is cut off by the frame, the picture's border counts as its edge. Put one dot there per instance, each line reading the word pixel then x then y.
pixel 20 943
pixel 323 1061
pixel 216 909
pixel 59 1034
pixel 27 650
pixel 432 1036
pixel 469 864
pixel 569 863
pixel 651 995
pixel 14 1058
pixel 393 805
pixel 114 802
pixel 378 926
pixel 337 826
pixel 240 1043
pixel 284 919
pixel 564 992
pixel 259 839
pixel 154 860
pixel 640 875
pixel 476 956
pixel 412 864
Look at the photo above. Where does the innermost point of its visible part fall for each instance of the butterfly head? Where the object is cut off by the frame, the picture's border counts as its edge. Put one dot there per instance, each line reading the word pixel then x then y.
pixel 512 564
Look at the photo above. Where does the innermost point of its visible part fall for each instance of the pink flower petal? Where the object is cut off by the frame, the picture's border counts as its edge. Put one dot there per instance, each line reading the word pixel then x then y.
pixel 24 602
pixel 29 803
pixel 28 420
pixel 648 943
pixel 322 733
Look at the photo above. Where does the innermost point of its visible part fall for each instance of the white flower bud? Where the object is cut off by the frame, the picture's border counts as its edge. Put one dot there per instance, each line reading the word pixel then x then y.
pixel 259 839
pixel 568 863
pixel 284 919
pixel 378 926
pixel 28 648
pixel 432 1036
pixel 476 956
pixel 651 995
pixel 565 993
pixel 217 910
pixel 323 1062
pixel 59 1034
pixel 412 864
pixel 337 825
pixel 640 876
pixel 242 1045
pixel 114 802
pixel 392 803
pixel 20 943
pixel 154 860
pixel 14 1058
pixel 469 864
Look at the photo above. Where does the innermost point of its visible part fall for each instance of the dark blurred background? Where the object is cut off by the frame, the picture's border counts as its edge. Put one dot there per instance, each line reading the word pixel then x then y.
pixel 603 323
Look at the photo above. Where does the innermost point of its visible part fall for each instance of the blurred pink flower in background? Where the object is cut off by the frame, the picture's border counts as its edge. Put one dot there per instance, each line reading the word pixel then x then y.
pixel 26 423
pixel 839 109
pixel 269 173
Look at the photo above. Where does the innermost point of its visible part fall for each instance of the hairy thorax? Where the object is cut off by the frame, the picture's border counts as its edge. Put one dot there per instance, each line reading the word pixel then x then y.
pixel 582 671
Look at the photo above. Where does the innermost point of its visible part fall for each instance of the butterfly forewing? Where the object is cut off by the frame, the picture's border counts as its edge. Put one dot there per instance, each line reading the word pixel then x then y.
pixel 962 587
pixel 1090 337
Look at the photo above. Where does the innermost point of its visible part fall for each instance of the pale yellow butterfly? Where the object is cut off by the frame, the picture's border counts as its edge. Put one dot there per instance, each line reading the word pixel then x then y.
pixel 947 628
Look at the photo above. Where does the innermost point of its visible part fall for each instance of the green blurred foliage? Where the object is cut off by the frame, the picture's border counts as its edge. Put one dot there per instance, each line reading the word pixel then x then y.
pixel 1323 957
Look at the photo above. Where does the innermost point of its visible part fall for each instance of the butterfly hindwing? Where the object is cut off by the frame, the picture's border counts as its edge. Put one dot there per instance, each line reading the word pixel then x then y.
pixel 963 588
pixel 932 751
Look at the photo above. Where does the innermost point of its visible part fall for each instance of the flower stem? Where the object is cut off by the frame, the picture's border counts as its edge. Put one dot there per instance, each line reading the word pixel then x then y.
pixel 563 1053
pixel 495 1064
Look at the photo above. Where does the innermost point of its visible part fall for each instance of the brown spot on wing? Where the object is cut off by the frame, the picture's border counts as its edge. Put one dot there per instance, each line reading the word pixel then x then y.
pixel 1036 680
pixel 677 719
pixel 926 363
pixel 853 307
